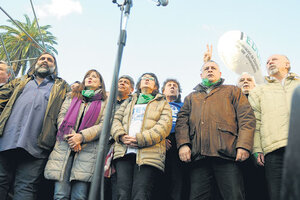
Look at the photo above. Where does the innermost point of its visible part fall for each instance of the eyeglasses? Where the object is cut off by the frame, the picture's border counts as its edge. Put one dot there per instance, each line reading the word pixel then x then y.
pixel 149 78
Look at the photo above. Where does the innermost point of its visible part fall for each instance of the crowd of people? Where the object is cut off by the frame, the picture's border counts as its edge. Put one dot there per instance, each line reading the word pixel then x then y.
pixel 223 142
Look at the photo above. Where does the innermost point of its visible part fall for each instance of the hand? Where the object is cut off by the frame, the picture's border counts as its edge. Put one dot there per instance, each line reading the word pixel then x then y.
pixel 77 148
pixel 208 54
pixel 74 139
pixel 260 159
pixel 242 155
pixel 168 144
pixel 129 141
pixel 185 153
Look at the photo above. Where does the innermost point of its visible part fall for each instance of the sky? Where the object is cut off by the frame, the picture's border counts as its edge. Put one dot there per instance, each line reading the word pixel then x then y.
pixel 168 41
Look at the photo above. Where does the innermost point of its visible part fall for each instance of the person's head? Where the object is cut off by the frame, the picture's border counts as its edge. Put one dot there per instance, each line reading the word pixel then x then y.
pixel 171 89
pixel 211 71
pixel 75 85
pixel 4 72
pixel 278 65
pixel 125 86
pixel 45 65
pixel 246 82
pixel 147 84
pixel 92 80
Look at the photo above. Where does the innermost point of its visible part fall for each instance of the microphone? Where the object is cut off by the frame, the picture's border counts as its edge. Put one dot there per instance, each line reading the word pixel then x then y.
pixel 161 2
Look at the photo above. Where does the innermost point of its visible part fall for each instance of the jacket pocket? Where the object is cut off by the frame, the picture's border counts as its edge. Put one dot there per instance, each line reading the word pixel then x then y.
pixel 227 140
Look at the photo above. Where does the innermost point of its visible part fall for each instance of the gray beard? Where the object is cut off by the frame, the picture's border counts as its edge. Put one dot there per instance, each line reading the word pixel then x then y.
pixel 43 72
pixel 245 91
pixel 273 71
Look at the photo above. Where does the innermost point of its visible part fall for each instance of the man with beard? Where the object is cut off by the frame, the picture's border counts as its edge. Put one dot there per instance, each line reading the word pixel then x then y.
pixel 271 103
pixel 246 82
pixel 214 131
pixel 29 107
pixel 4 73
pixel 253 174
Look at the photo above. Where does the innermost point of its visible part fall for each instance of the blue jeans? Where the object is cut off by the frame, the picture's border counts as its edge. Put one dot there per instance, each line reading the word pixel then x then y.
pixel 75 190
pixel 27 171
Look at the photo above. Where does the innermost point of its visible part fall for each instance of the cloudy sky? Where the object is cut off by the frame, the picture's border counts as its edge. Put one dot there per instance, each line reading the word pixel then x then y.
pixel 169 41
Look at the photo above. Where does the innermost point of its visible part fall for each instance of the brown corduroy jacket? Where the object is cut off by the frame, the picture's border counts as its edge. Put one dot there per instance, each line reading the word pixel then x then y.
pixel 217 123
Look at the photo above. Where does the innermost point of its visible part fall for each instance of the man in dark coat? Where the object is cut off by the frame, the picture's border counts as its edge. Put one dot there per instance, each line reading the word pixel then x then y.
pixel 214 130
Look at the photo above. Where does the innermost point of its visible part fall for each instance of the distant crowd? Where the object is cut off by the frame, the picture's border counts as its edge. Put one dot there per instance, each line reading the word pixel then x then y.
pixel 223 142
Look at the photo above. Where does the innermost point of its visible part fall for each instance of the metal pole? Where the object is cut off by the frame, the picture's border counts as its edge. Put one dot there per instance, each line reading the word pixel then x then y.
pixel 96 190
pixel 8 60
pixel 42 48
pixel 23 59
pixel 37 23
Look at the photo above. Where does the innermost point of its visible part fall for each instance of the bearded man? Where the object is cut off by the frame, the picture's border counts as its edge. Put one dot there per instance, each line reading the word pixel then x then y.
pixel 29 107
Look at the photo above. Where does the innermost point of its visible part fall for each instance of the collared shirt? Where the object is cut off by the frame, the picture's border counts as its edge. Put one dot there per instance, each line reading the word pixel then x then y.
pixel 26 120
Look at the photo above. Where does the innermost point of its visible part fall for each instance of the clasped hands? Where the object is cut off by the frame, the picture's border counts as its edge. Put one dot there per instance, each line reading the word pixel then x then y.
pixel 74 140
pixel 129 141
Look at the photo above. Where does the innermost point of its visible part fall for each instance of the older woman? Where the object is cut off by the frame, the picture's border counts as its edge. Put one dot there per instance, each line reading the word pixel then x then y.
pixel 72 161
pixel 139 128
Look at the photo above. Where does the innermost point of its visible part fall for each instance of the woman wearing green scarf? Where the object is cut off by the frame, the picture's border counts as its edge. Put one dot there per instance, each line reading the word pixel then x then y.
pixel 139 128
pixel 71 164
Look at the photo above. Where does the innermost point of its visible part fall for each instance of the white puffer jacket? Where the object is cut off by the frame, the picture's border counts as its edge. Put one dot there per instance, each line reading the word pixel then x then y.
pixel 84 161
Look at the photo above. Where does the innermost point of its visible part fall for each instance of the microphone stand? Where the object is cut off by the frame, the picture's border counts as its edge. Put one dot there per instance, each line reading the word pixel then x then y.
pixel 97 185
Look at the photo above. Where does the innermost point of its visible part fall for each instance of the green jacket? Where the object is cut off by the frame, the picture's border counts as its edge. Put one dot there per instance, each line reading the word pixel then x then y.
pixel 11 91
pixel 271 103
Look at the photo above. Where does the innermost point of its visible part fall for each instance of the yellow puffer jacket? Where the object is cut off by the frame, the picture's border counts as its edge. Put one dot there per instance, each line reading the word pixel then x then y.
pixel 156 126
pixel 271 103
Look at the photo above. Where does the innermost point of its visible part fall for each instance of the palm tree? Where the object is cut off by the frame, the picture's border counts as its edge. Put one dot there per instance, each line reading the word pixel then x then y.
pixel 20 46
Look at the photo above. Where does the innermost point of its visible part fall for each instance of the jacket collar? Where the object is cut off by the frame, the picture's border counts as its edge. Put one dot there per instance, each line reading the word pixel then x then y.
pixel 290 76
pixel 203 88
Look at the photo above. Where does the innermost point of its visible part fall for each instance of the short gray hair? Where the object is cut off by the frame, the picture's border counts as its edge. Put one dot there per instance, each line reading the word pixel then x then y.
pixel 208 62
pixel 7 66
pixel 246 73
pixel 128 78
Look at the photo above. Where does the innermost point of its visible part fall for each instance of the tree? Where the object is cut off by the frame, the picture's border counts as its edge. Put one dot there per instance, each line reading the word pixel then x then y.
pixel 20 46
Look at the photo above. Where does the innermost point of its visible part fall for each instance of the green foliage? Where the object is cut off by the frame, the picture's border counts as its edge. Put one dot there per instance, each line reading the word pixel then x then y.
pixel 20 46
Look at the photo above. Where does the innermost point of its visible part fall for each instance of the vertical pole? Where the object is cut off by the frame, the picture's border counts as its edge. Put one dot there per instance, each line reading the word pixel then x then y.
pixel 96 190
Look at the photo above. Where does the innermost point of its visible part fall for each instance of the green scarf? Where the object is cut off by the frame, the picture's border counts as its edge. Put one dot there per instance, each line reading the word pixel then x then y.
pixel 207 83
pixel 144 98
pixel 88 93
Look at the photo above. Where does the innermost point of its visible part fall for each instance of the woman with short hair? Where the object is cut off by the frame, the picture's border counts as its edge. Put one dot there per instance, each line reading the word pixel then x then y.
pixel 140 127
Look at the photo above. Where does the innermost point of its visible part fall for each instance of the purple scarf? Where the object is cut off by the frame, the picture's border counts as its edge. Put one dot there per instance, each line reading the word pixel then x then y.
pixel 88 120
